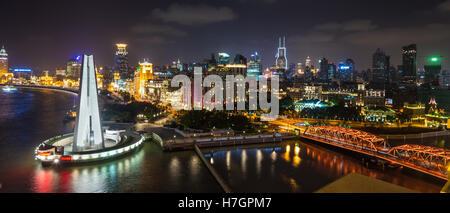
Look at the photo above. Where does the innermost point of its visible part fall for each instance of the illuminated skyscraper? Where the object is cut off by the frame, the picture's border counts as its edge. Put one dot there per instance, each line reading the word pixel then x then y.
pixel 121 62
pixel 88 129
pixel 380 66
pixel 3 61
pixel 346 70
pixel 409 65
pixel 179 65
pixel 323 69
pixel 254 66
pixel 281 57
pixel 73 68
pixel 144 73
pixel 224 58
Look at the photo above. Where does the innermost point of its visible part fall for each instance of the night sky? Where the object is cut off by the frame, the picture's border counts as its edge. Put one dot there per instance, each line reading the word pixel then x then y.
pixel 45 34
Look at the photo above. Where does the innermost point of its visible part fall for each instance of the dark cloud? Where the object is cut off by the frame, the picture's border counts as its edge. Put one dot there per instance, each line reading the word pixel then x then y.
pixel 329 32
pixel 194 14
pixel 445 6
pixel 153 40
pixel 353 25
pixel 400 35
pixel 151 29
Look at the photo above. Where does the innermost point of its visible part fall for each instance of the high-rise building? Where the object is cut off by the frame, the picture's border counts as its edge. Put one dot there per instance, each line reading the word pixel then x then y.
pixel 323 69
pixel 240 59
pixel 308 62
pixel 224 58
pixel 380 67
pixel 3 61
pixel 281 57
pixel 300 69
pixel 179 66
pixel 73 68
pixel 331 70
pixel 121 62
pixel 409 63
pixel 346 70
pixel 444 79
pixel 432 71
pixel 254 66
pixel 144 73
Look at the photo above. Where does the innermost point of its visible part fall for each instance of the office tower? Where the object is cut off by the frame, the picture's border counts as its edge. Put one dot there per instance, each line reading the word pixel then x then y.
pixel 88 129
pixel 331 70
pixel 432 71
pixel 323 69
pixel 121 62
pixel 308 62
pixel 179 66
pixel 444 79
pixel 144 73
pixel 240 59
pixel 300 69
pixel 346 70
pixel 3 61
pixel 254 66
pixel 409 63
pixel 380 67
pixel 281 57
pixel 224 58
pixel 73 68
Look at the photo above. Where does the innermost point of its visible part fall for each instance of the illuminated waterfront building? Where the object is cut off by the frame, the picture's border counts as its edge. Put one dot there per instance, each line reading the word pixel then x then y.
pixel 415 111
pixel 99 79
pixel 22 74
pixel 121 61
pixel 281 57
pixel 3 62
pixel 73 68
pixel 377 113
pixel 46 80
pixel 144 73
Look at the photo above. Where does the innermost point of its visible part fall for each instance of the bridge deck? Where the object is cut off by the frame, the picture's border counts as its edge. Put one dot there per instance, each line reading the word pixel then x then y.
pixel 380 155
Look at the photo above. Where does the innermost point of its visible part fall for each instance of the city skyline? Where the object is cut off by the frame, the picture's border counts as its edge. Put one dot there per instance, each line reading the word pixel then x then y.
pixel 156 31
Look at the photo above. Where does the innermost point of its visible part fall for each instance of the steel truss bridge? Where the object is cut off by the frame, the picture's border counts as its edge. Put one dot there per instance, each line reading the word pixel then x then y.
pixel 430 160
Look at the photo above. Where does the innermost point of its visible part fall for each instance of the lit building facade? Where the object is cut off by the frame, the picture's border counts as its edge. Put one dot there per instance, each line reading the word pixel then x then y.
pixel 254 67
pixel 281 57
pixel 3 62
pixel 224 58
pixel 346 70
pixel 73 68
pixel 144 73
pixel 380 67
pixel 121 61
pixel 409 63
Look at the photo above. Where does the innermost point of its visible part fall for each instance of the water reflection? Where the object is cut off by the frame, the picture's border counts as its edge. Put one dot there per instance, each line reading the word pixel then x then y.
pixel 39 114
pixel 305 168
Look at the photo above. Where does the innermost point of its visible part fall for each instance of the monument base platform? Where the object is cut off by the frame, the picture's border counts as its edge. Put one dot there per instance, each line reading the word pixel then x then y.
pixel 58 150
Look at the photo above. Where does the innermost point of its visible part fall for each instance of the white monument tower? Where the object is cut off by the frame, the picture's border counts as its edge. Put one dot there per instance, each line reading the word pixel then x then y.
pixel 88 128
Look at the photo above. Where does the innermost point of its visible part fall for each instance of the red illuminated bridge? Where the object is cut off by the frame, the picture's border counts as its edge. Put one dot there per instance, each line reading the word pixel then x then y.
pixel 430 160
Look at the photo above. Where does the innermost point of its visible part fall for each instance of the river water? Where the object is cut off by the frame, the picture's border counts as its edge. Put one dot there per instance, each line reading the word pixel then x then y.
pixel 30 116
